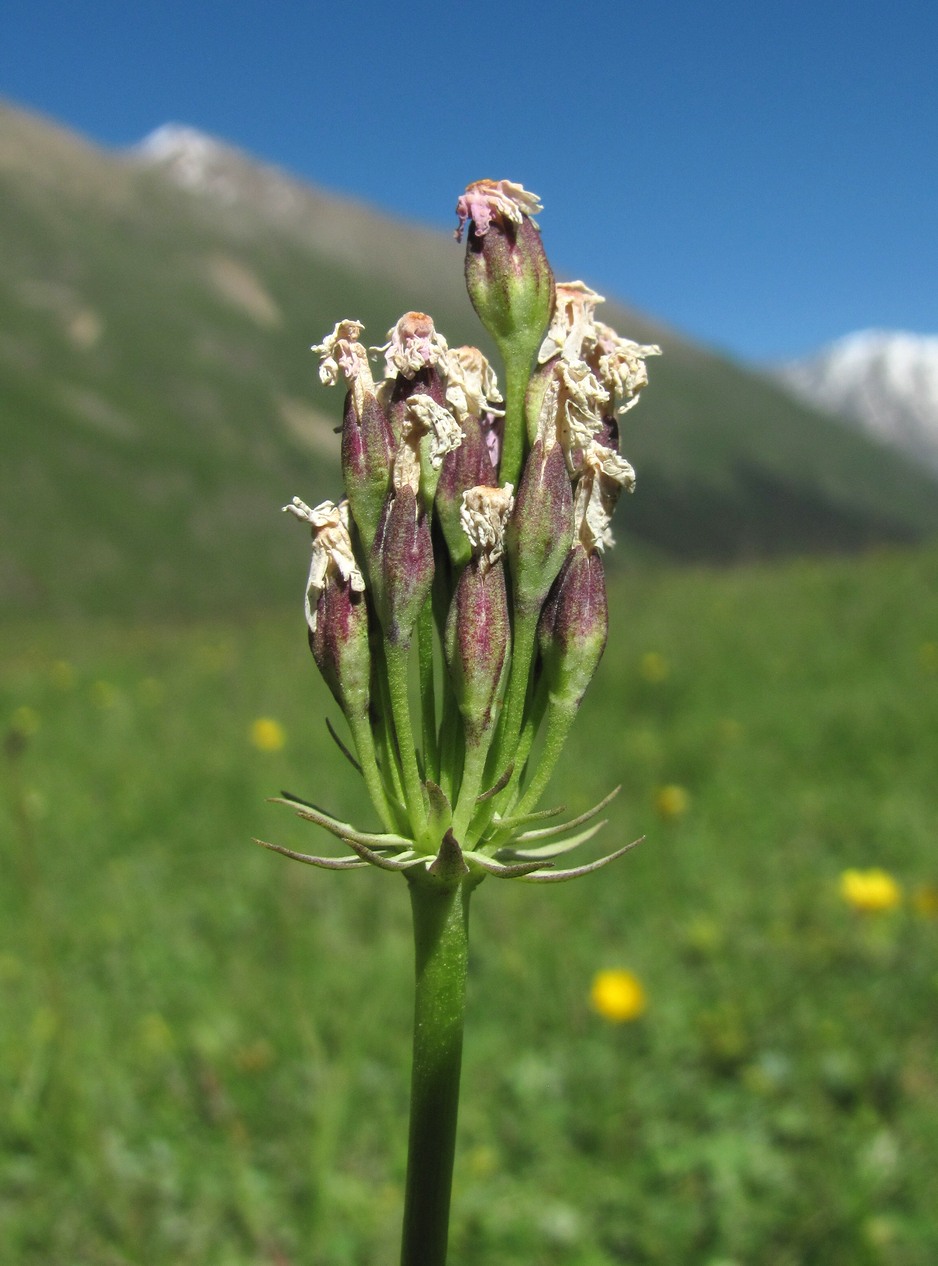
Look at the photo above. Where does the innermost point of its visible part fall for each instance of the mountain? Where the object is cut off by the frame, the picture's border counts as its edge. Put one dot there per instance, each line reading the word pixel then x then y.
pixel 159 403
pixel 885 382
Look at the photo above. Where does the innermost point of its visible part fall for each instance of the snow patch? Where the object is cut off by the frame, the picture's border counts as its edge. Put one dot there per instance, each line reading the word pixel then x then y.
pixel 884 381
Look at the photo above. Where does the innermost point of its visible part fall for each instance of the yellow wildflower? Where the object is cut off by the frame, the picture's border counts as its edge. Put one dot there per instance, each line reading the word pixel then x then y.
pixel 870 891
pixel 654 667
pixel 268 735
pixel 928 654
pixel 617 995
pixel 671 801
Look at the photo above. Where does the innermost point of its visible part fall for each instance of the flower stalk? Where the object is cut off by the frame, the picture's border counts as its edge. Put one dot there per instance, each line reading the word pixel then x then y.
pixel 456 607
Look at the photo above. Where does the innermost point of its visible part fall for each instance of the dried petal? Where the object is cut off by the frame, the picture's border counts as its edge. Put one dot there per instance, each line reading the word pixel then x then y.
pixel 483 517
pixel 621 365
pixel 572 332
pixel 605 475
pixel 413 344
pixel 332 550
pixel 488 200
pixel 471 385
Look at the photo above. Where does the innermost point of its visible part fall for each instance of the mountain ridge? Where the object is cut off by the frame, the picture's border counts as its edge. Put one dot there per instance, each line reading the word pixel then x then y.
pixel 883 381
pixel 160 403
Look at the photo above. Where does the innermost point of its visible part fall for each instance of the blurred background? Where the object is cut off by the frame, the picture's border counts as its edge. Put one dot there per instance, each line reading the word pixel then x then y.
pixel 204 1048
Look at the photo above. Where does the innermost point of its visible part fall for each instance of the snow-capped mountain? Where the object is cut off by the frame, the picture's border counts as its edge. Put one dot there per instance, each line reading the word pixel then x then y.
pixel 202 164
pixel 886 382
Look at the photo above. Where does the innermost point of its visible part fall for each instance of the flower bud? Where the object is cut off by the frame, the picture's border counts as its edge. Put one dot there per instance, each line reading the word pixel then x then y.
pixel 476 644
pixel 508 277
pixel 367 443
pixel 401 566
pixel 367 453
pixel 336 610
pixel 339 642
pixel 463 468
pixel 413 358
pixel 540 531
pixel 573 627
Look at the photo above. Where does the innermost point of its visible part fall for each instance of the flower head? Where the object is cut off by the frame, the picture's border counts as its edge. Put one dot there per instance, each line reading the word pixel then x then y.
pixel 483 517
pixel 870 891
pixel 605 475
pixel 488 200
pixel 671 801
pixel 573 331
pixel 471 385
pixel 621 365
pixel 267 735
pixel 413 344
pixel 332 550
pixel 341 352
pixel 618 995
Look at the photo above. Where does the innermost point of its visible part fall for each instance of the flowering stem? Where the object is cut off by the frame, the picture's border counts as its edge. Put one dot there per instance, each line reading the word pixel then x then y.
pixel 471 785
pixel 525 627
pixel 560 717
pixel 367 758
pixel 396 656
pixel 428 692
pixel 517 371
pixel 441 946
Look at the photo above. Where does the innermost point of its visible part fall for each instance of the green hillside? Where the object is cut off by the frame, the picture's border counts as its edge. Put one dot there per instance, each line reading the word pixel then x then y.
pixel 158 401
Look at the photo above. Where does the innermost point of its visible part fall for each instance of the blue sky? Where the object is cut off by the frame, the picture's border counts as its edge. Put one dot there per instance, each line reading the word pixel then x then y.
pixel 762 176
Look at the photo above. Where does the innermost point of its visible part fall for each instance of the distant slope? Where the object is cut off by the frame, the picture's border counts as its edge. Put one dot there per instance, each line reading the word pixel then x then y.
pixel 158 401
pixel 884 381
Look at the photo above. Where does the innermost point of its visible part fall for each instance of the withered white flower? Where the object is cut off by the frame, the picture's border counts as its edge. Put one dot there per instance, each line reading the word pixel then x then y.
pixel 413 344
pixel 341 352
pixel 485 200
pixel 572 331
pixel 332 550
pixel 471 384
pixel 483 518
pixel 605 475
pixel 425 417
pixel 622 365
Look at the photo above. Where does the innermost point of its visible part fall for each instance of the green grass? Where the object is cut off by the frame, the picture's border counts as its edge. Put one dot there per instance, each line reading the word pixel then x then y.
pixel 203 1054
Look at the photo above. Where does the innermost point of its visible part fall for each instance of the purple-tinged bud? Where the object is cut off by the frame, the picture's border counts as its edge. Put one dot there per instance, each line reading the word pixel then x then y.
pixel 508 277
pixel 367 453
pixel 335 605
pixel 540 531
pixel 476 644
pixel 367 443
pixel 339 642
pixel 573 627
pixel 401 564
pixel 413 358
pixel 465 467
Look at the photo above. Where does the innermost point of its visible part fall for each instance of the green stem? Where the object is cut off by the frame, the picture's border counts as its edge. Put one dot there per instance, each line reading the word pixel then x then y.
pixel 560 717
pixel 396 658
pixel 367 758
pixel 522 650
pixel 393 778
pixel 517 372
pixel 469 788
pixel 431 751
pixel 441 947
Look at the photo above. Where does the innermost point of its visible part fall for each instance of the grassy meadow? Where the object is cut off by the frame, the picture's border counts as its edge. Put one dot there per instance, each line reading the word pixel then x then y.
pixel 204 1047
